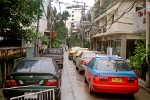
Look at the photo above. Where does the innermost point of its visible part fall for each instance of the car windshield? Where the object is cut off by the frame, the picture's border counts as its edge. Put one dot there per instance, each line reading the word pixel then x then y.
pixel 74 49
pixel 89 54
pixel 118 65
pixel 35 66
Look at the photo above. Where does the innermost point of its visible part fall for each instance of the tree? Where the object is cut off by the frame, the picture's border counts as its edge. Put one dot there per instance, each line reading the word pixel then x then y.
pixel 138 61
pixel 16 15
pixel 60 27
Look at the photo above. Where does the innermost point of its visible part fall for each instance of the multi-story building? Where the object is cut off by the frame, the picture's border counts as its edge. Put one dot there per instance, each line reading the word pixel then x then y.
pixel 73 21
pixel 114 22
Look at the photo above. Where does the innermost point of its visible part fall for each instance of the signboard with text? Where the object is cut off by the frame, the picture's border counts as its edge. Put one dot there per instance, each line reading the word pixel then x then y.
pixel 139 21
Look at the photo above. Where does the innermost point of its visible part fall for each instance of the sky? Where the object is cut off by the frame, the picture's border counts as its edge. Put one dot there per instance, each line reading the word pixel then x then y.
pixel 89 3
pixel 43 21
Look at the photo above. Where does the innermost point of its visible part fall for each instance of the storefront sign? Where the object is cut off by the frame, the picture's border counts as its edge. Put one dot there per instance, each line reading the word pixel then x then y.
pixel 139 21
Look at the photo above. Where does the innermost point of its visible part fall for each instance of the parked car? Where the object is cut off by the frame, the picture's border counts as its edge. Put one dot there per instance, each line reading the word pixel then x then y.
pixel 72 52
pixel 111 75
pixel 77 53
pixel 84 58
pixel 56 53
pixel 40 72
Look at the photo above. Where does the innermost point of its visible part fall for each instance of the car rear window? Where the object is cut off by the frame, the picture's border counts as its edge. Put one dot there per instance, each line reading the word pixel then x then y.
pixel 35 66
pixel 56 51
pixel 89 54
pixel 118 65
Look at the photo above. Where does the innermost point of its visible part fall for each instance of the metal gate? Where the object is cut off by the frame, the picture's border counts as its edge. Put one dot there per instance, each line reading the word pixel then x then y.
pixel 41 95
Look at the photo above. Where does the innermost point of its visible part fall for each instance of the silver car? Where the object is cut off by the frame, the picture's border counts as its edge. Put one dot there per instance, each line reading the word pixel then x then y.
pixel 84 58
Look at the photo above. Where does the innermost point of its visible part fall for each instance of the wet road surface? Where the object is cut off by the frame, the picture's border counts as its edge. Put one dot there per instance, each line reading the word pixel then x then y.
pixel 74 87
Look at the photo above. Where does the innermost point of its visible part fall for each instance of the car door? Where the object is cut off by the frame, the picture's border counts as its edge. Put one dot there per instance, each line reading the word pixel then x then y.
pixel 78 60
pixel 89 70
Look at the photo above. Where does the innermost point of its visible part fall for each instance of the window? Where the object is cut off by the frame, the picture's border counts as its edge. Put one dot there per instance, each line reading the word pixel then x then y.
pixel 118 65
pixel 113 18
pixel 80 54
pixel 92 62
pixel 89 54
pixel 35 66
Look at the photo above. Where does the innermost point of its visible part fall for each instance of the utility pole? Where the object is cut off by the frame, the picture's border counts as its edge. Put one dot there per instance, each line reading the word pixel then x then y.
pixel 36 45
pixel 83 28
pixel 49 21
pixel 147 41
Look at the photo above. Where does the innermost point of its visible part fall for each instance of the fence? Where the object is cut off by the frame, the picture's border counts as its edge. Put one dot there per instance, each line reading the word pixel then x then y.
pixel 41 95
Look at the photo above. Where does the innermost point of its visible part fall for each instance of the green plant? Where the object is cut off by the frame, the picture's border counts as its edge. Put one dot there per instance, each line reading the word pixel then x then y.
pixel 139 59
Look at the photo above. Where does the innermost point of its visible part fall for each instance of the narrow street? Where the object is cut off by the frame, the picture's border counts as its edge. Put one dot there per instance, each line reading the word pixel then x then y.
pixel 74 88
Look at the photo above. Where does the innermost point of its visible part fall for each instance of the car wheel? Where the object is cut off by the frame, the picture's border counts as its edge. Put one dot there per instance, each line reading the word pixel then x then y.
pixel 80 71
pixel 58 97
pixel 77 68
pixel 131 95
pixel 85 80
pixel 90 89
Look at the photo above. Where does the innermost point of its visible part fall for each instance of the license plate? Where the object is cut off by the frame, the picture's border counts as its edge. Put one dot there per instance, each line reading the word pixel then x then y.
pixel 30 95
pixel 117 80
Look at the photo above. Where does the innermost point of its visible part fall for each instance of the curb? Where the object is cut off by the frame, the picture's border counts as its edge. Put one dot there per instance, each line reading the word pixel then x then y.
pixel 143 85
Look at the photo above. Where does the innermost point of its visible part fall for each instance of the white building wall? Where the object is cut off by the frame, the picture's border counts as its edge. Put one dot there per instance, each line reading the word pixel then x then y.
pixel 75 17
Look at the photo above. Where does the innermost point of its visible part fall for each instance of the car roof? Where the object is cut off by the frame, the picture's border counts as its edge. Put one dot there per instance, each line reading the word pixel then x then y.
pixel 37 58
pixel 91 51
pixel 113 57
pixel 83 48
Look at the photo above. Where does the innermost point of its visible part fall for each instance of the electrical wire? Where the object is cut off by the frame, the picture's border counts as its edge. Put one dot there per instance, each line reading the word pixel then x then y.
pixel 59 5
pixel 111 16
pixel 129 9
pixel 44 10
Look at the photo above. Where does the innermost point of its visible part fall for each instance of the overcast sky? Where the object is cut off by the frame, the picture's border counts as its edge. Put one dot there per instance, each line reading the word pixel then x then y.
pixel 70 2
pixel 43 21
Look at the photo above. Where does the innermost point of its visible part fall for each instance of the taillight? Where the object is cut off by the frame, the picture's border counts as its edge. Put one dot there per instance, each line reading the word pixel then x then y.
pixel 10 82
pixel 83 62
pixel 103 78
pixel 51 82
pixel 133 79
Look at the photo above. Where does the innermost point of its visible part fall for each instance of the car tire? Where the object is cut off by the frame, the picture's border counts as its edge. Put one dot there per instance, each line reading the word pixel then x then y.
pixel 80 71
pixel 85 80
pixel 90 90
pixel 131 95
pixel 58 97
pixel 77 68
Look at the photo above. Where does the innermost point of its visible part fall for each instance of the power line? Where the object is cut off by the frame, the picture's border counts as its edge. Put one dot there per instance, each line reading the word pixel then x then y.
pixel 128 9
pixel 44 10
pixel 111 16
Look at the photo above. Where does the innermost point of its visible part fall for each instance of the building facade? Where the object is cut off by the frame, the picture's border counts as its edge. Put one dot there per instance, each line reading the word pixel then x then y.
pixel 114 26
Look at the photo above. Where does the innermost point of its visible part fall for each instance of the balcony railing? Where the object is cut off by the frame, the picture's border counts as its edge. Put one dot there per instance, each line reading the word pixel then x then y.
pixel 102 8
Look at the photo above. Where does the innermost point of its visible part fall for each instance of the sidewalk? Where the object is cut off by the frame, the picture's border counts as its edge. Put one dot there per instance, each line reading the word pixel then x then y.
pixel 1 95
pixel 143 85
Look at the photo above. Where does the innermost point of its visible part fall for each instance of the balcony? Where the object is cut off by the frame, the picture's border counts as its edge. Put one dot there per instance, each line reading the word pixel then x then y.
pixel 103 8
pixel 120 27
pixel 116 28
